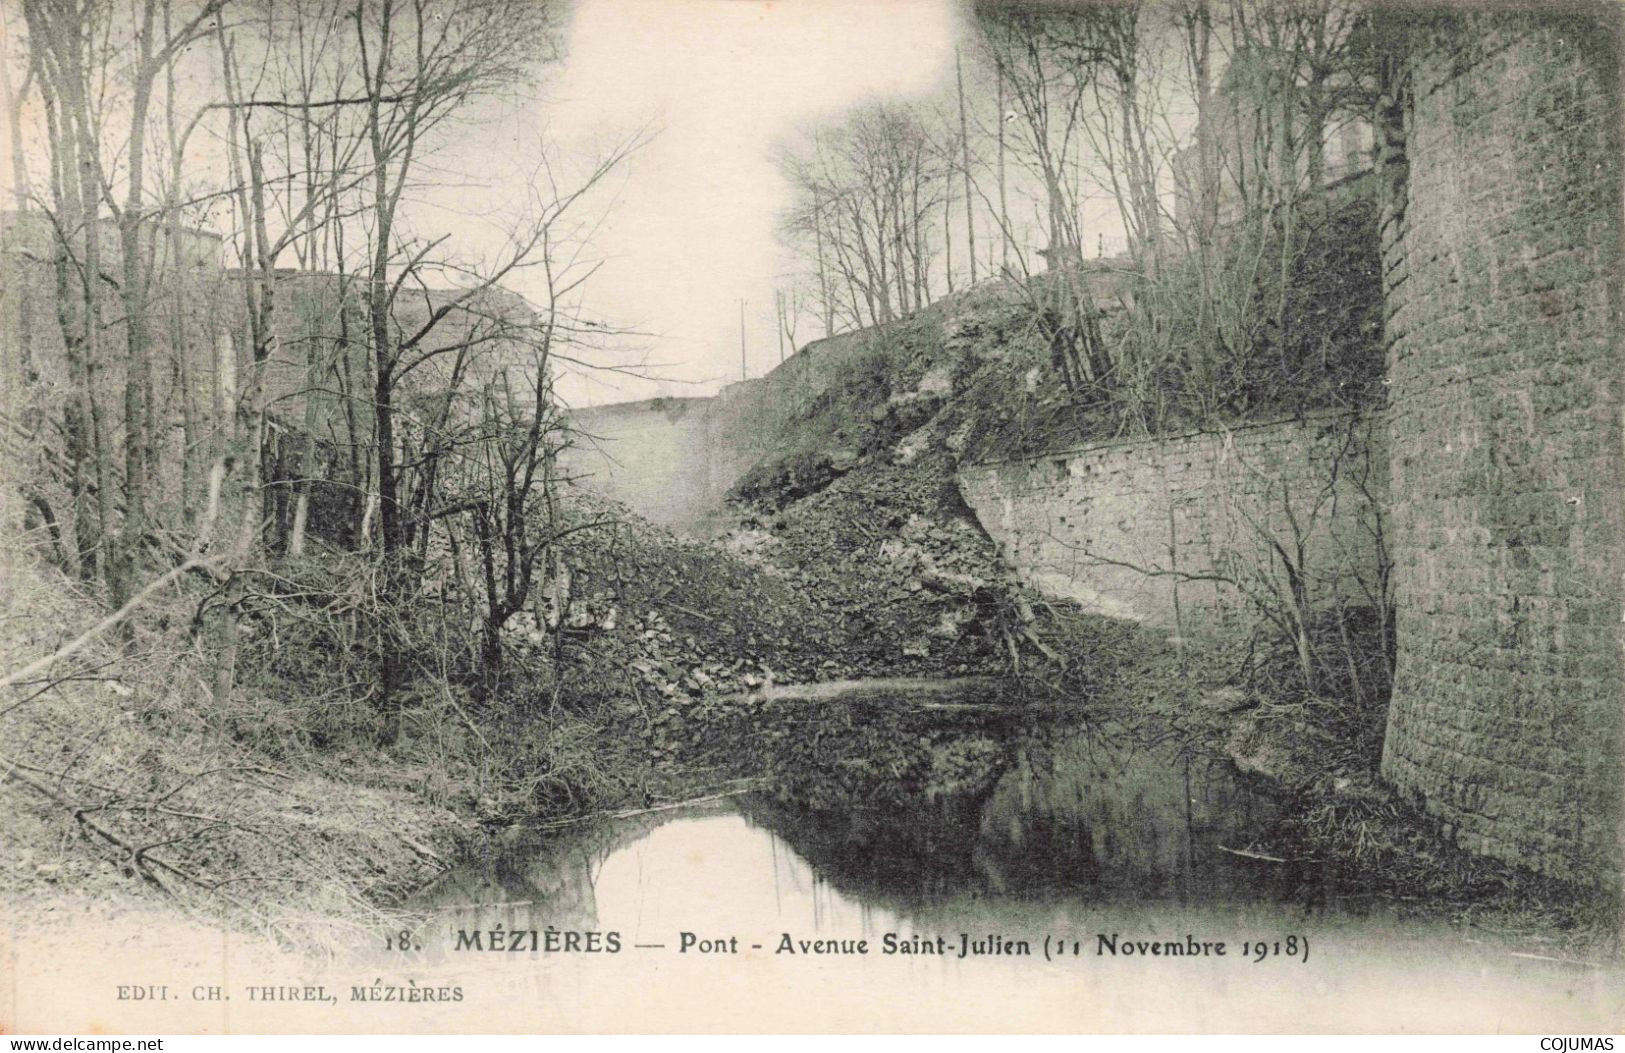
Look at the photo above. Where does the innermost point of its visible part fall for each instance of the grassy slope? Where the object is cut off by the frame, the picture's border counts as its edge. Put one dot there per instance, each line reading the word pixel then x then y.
pixel 121 787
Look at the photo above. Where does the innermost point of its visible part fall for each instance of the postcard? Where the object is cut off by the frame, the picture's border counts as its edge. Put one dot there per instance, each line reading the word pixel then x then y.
pixel 526 516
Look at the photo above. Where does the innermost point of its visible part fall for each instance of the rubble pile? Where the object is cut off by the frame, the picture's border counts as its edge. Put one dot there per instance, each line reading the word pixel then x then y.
pixel 875 576
pixel 687 617
pixel 890 550
pixel 854 556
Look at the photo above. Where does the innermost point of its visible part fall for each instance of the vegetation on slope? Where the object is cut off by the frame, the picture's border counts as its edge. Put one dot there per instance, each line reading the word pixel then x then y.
pixel 871 463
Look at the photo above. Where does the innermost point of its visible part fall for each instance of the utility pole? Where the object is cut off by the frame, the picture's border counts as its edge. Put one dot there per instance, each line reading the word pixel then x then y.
pixel 1004 206
pixel 778 306
pixel 744 373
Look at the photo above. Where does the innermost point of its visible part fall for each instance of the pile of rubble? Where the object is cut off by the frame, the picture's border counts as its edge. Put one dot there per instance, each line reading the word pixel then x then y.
pixel 687 618
pixel 873 576
pixel 890 552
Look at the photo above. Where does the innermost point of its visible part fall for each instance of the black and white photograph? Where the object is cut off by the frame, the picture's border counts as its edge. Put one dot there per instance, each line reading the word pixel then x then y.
pixel 812 516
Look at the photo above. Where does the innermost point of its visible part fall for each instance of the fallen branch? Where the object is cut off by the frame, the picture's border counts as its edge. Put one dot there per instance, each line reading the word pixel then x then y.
pixel 75 645
pixel 423 852
pixel 11 762
pixel 1244 854
pixel 137 861
pixel 629 813
pixel 686 610
pixel 83 675
pixel 1043 648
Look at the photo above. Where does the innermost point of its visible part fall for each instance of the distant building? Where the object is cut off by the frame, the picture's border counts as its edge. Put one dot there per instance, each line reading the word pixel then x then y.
pixel 317 385
pixel 37 324
pixel 1246 145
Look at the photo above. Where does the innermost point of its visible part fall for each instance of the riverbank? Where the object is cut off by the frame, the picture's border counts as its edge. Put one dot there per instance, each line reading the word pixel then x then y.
pixel 123 785
pixel 279 811
pixel 665 683
pixel 1352 840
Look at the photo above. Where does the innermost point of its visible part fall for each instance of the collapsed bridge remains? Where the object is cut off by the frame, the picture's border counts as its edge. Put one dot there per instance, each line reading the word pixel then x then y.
pixel 1482 504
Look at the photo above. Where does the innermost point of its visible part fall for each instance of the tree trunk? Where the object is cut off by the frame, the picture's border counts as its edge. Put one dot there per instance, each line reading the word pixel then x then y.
pixel 133 292
pixel 964 148
pixel 91 317
pixel 823 268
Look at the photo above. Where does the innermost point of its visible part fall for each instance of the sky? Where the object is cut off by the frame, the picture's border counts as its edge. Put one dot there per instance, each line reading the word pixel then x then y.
pixel 687 227
pixel 720 82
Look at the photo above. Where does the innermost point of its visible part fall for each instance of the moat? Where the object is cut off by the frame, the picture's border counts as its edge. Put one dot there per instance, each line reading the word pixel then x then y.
pixel 1082 865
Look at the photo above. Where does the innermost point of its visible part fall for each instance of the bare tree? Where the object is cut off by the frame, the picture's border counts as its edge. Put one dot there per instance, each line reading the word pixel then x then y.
pixel 65 39
pixel 869 194
pixel 155 45
pixel 421 62
pixel 1047 67
pixel 787 302
pixel 964 171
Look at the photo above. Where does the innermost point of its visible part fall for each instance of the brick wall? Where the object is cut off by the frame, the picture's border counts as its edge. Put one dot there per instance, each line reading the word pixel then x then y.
pixel 1501 250
pixel 1144 529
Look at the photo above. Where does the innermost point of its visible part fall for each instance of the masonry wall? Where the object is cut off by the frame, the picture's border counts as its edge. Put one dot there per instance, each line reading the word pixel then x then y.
pixel 660 457
pixel 1502 253
pixel 1146 529
pixel 673 460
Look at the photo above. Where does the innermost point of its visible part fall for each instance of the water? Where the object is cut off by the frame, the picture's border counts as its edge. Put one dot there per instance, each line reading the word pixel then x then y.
pixel 1067 880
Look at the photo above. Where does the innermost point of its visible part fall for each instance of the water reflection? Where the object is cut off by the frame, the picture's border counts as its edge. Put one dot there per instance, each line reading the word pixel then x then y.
pixel 1121 821
pixel 1072 812
pixel 1068 819
pixel 1072 841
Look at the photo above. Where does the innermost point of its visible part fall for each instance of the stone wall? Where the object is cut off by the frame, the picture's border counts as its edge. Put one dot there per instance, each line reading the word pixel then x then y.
pixel 663 458
pixel 1502 254
pixel 1180 531
pixel 673 460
